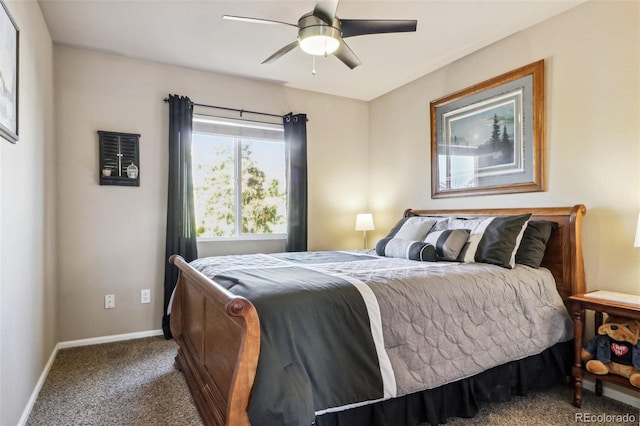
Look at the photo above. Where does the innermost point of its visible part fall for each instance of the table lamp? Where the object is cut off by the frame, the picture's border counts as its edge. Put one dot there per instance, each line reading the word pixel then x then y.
pixel 364 223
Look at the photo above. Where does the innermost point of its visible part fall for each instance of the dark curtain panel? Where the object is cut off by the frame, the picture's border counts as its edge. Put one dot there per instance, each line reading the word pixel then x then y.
pixel 181 222
pixel 295 138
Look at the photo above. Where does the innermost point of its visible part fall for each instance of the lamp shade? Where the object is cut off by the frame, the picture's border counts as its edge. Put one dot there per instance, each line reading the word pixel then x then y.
pixel 364 222
pixel 636 242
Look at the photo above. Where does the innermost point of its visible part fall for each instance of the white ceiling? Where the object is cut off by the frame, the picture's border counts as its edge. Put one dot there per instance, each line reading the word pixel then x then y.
pixel 193 34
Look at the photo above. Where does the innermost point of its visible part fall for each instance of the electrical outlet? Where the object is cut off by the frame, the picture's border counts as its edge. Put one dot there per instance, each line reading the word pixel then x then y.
pixel 145 296
pixel 109 301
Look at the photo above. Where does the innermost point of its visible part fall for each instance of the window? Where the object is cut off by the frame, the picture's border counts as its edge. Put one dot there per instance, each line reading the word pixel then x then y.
pixel 239 180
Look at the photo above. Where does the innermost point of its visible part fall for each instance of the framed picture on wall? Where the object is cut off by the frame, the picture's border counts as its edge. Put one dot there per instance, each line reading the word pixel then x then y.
pixel 9 45
pixel 489 138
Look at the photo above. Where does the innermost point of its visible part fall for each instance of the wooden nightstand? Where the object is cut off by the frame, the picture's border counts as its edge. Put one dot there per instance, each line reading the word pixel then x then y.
pixel 581 302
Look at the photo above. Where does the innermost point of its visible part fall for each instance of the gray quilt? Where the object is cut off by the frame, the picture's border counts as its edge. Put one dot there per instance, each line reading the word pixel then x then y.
pixel 344 329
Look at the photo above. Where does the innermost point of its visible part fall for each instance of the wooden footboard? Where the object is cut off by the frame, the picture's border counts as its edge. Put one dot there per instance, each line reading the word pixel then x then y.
pixel 219 338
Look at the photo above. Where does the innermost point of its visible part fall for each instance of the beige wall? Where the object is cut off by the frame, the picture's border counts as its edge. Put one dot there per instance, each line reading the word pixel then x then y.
pixel 27 222
pixel 592 56
pixel 111 239
pixel 361 156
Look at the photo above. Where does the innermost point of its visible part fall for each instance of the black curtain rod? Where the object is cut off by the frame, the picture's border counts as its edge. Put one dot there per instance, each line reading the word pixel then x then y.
pixel 241 111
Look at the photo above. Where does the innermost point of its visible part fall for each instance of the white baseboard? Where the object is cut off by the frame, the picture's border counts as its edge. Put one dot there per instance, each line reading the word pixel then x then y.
pixel 36 390
pixel 71 344
pixel 611 391
pixel 108 339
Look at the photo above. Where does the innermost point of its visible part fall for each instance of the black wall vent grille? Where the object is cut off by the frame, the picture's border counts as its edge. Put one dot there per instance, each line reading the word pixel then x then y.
pixel 118 151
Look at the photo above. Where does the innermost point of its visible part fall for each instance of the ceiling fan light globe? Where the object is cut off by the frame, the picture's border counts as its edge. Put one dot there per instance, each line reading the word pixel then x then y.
pixel 319 45
pixel 319 40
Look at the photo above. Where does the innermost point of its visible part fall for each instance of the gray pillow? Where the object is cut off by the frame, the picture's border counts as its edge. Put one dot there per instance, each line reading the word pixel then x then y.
pixel 534 242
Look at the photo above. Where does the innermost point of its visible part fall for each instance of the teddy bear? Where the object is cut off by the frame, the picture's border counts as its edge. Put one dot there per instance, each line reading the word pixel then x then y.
pixel 615 349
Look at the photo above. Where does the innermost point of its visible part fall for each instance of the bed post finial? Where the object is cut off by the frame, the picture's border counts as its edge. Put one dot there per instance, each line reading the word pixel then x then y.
pixel 238 306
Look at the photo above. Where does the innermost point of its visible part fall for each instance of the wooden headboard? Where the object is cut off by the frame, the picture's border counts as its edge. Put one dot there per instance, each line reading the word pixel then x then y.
pixel 563 256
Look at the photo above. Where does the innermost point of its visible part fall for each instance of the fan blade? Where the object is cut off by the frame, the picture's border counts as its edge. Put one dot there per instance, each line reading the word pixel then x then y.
pixel 289 47
pixel 346 55
pixel 326 10
pixel 255 20
pixel 358 27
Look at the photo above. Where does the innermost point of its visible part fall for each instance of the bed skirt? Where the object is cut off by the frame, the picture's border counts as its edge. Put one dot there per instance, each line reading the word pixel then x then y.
pixel 462 398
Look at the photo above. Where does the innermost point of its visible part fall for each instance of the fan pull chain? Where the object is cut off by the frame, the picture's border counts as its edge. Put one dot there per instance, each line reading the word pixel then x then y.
pixel 313 68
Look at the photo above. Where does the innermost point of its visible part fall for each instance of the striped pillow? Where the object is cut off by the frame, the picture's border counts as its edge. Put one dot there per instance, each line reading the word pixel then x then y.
pixel 476 227
pixel 448 243
pixel 406 249
pixel 493 239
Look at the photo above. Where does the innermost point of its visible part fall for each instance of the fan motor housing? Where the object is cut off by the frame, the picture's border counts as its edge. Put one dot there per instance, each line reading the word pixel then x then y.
pixel 312 23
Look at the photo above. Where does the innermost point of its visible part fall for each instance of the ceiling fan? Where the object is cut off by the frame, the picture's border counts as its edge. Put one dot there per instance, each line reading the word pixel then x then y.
pixel 321 32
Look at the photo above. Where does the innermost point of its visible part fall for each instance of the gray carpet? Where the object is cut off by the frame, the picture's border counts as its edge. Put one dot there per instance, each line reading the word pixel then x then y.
pixel 124 383
pixel 134 383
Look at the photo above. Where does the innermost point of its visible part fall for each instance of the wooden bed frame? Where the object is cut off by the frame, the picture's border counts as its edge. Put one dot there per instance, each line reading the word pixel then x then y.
pixel 218 333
